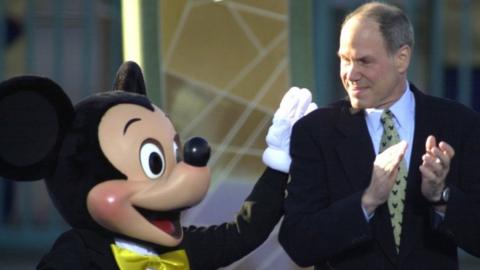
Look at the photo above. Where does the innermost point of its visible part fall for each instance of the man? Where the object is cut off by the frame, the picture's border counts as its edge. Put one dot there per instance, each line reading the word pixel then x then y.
pixel 352 204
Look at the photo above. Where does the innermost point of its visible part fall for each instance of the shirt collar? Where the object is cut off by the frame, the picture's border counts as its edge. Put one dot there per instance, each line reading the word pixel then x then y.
pixel 135 247
pixel 403 109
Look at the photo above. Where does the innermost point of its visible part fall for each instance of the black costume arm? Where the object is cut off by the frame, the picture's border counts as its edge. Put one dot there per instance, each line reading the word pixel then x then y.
pixel 68 252
pixel 220 245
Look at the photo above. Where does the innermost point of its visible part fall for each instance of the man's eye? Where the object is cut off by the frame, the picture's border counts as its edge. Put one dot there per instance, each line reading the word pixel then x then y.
pixel 364 61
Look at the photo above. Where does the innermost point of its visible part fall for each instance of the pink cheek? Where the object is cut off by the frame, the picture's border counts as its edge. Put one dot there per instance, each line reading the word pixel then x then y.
pixel 107 203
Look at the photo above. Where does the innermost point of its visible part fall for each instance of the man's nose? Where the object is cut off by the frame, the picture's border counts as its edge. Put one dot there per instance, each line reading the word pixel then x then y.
pixel 352 72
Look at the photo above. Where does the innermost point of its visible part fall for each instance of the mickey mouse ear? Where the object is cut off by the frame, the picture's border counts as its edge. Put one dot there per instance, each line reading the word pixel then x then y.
pixel 130 78
pixel 34 115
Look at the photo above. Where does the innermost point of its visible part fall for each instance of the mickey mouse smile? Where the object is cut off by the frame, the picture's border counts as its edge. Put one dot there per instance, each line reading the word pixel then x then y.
pixel 169 222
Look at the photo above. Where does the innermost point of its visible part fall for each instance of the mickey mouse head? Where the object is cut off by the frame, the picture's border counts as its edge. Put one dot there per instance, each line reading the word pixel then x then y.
pixel 111 163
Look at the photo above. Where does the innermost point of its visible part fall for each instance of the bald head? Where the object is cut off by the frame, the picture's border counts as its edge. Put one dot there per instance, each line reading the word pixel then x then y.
pixel 393 24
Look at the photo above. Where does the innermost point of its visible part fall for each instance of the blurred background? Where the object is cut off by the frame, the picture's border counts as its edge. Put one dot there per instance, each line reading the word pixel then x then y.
pixel 219 68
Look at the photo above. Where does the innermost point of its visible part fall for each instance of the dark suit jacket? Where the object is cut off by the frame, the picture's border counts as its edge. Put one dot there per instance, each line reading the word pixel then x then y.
pixel 333 156
pixel 206 247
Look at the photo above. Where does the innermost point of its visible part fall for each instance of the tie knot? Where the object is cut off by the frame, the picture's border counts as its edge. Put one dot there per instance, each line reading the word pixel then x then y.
pixel 386 118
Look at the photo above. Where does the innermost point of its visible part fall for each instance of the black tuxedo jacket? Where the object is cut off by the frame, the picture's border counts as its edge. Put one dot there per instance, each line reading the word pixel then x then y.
pixel 333 156
pixel 206 247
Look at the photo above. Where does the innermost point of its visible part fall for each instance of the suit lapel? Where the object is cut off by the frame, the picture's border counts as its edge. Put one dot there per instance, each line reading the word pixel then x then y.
pixel 357 154
pixel 384 233
pixel 355 150
pixel 413 194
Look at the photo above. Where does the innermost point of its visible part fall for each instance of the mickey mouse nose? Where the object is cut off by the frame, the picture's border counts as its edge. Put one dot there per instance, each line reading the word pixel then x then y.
pixel 196 152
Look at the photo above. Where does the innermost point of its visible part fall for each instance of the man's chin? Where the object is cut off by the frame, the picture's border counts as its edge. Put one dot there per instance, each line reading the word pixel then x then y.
pixel 357 104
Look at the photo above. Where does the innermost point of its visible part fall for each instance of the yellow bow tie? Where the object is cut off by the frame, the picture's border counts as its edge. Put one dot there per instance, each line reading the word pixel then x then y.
pixel 129 260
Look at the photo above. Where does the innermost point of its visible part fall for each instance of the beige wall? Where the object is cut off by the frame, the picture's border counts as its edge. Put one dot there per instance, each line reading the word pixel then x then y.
pixel 225 69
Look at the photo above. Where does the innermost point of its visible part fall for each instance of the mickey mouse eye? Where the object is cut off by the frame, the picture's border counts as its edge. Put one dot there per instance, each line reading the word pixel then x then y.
pixel 152 159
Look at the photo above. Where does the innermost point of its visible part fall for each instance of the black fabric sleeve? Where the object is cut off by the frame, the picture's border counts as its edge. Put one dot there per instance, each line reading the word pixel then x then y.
pixel 220 245
pixel 462 218
pixel 315 227
pixel 68 252
pixel 79 249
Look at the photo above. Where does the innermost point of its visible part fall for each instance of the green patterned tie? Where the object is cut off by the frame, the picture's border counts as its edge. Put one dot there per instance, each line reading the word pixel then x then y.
pixel 396 199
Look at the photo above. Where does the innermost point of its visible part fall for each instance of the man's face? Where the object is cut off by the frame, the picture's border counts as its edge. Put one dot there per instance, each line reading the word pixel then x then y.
pixel 372 77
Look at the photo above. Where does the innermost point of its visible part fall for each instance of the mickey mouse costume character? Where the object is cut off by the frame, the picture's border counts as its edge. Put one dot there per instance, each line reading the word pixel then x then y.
pixel 113 169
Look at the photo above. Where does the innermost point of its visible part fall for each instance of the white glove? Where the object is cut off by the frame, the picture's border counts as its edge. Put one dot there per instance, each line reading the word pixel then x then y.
pixel 296 103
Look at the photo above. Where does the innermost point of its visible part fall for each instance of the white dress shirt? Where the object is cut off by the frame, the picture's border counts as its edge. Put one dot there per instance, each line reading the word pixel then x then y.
pixel 403 111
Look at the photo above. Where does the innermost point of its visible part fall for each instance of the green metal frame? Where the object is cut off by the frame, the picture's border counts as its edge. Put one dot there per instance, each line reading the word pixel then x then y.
pixel 465 90
pixel 436 50
pixel 150 14
pixel 301 49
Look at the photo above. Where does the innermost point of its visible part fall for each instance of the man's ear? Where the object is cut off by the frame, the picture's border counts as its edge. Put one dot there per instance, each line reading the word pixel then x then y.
pixel 402 58
pixel 129 78
pixel 35 113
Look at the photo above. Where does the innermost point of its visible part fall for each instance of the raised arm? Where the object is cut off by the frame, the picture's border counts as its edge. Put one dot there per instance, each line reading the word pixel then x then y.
pixel 220 245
